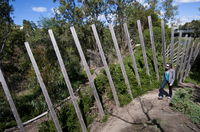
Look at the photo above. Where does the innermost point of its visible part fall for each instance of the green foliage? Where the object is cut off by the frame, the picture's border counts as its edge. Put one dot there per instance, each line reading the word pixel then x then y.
pixel 47 126
pixel 182 101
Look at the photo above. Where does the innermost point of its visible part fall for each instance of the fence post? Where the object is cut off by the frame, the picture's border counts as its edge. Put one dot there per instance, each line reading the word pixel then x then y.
pixel 67 81
pixel 153 47
pixel 172 45
pixel 11 102
pixel 120 60
pixel 103 58
pixel 163 42
pixel 128 41
pixel 182 57
pixel 43 87
pixel 188 66
pixel 91 80
pixel 143 47
pixel 179 50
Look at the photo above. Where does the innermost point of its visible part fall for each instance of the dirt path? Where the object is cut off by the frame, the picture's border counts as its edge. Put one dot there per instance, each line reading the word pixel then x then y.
pixel 147 114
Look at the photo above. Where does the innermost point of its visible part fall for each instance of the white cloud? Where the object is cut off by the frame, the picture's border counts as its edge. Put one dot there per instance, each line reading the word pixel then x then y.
pixel 187 1
pixel 39 9
pixel 55 10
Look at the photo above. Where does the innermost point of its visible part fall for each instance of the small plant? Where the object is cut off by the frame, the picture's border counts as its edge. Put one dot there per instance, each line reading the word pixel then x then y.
pixel 182 102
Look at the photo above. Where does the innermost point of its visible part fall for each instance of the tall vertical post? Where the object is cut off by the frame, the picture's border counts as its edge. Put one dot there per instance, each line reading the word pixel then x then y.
pixel 163 42
pixel 43 87
pixel 153 47
pixel 179 50
pixel 91 80
pixel 128 41
pixel 119 56
pixel 188 66
pixel 143 47
pixel 172 45
pixel 103 58
pixel 184 55
pixel 67 81
pixel 11 102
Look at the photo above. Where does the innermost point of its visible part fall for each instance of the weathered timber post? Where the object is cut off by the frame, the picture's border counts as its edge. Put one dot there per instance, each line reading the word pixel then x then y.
pixel 103 58
pixel 179 50
pixel 153 47
pixel 184 59
pixel 120 60
pixel 91 80
pixel 172 45
pixel 43 87
pixel 163 42
pixel 128 41
pixel 143 47
pixel 11 102
pixel 188 66
pixel 67 81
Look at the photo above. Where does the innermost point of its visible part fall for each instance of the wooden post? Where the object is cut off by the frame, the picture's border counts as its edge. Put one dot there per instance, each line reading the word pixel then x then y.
pixel 119 56
pixel 163 42
pixel 179 50
pixel 67 81
pixel 196 51
pixel 172 45
pixel 184 60
pixel 128 41
pixel 11 102
pixel 153 47
pixel 143 47
pixel 188 66
pixel 103 58
pixel 43 87
pixel 91 80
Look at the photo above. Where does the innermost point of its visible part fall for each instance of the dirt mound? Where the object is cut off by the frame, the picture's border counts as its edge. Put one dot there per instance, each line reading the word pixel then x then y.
pixel 147 114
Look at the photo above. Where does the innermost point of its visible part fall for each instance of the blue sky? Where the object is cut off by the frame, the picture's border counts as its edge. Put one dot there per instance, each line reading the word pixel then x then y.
pixel 34 10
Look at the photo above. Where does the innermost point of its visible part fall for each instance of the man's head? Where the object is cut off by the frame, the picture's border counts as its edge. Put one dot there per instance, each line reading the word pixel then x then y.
pixel 168 66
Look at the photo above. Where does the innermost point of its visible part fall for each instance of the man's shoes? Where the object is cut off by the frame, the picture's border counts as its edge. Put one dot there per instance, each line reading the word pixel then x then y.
pixel 160 97
pixel 169 97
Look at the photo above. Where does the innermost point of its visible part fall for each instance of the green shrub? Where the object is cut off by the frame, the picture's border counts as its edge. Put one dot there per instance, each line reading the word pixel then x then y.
pixel 182 102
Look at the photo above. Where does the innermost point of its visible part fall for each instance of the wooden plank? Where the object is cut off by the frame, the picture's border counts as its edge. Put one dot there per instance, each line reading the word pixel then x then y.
pixel 67 81
pixel 153 47
pixel 182 57
pixel 11 102
pixel 163 42
pixel 188 65
pixel 119 56
pixel 91 81
pixel 43 87
pixel 184 60
pixel 128 41
pixel 103 58
pixel 143 47
pixel 197 51
pixel 179 49
pixel 172 45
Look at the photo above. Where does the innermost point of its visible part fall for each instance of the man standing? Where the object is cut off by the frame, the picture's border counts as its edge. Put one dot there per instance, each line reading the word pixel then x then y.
pixel 169 77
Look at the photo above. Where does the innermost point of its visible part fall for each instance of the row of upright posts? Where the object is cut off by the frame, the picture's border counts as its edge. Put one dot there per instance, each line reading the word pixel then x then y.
pixel 182 61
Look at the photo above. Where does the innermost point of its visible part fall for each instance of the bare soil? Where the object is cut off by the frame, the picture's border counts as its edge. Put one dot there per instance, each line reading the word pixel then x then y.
pixel 146 114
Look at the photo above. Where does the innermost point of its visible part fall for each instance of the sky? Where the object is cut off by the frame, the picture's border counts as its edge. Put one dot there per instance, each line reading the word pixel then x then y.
pixel 34 10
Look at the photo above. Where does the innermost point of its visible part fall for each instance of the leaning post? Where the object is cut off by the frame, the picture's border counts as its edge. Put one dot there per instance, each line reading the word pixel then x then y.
pixel 11 102
pixel 103 58
pixel 89 75
pixel 67 81
pixel 153 47
pixel 120 60
pixel 43 87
